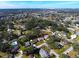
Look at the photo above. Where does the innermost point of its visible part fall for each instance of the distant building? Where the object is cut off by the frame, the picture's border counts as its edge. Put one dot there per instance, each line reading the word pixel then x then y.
pixel 45 36
pixel 58 45
pixel 73 36
pixel 14 47
pixel 77 32
pixel 4 41
pixel 34 41
pixel 27 44
pixel 14 43
pixel 40 38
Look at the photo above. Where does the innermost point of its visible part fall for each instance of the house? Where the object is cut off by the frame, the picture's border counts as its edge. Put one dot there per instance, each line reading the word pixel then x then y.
pixel 17 32
pixel 73 36
pixel 45 36
pixel 14 43
pixel 32 51
pixel 65 41
pixel 15 49
pixel 44 54
pixel 38 27
pixel 22 27
pixel 71 29
pixel 53 33
pixel 4 41
pixel 77 32
pixel 59 45
pixel 40 38
pixel 34 41
pixel 14 46
pixel 27 43
pixel 22 36
pixel 9 31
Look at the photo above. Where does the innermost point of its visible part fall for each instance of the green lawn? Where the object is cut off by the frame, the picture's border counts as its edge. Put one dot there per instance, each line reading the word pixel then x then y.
pixel 26 48
pixel 37 56
pixel 25 56
pixel 59 51
pixel 39 43
pixel 45 48
pixel 2 54
pixel 22 48
pixel 29 48
pixel 53 56
pixel 77 38
pixel 47 39
pixel 17 54
pixel 16 31
pixel 51 44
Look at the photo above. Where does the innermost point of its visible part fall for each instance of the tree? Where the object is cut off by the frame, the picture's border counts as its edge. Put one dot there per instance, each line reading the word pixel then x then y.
pixel 4 47
pixel 51 42
pixel 34 22
pixel 31 24
pixel 32 34
pixel 76 46
pixel 22 40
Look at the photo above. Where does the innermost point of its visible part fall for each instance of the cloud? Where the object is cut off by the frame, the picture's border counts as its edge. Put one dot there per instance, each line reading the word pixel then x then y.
pixel 41 4
pixel 6 5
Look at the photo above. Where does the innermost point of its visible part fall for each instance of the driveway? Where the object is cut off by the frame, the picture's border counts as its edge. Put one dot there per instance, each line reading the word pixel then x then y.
pixel 20 54
pixel 68 50
pixel 53 52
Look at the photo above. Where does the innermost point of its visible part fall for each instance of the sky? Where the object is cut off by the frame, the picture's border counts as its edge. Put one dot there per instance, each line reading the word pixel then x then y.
pixel 39 4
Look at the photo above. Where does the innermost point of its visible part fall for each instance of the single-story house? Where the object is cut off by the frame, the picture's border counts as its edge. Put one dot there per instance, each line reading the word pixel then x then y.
pixel 27 43
pixel 14 43
pixel 45 36
pixel 34 41
pixel 4 41
pixel 77 32
pixel 58 45
pixel 40 38
pixel 73 36
pixel 33 51
pixel 15 49
pixel 44 54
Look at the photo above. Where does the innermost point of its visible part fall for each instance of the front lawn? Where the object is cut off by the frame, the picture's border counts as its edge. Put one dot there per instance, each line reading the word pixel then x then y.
pixel 2 54
pixel 37 56
pixel 52 56
pixel 45 48
pixel 39 43
pixel 25 56
pixel 77 38
pixel 22 48
pixel 59 51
